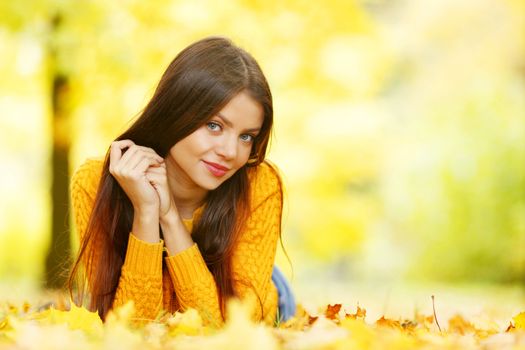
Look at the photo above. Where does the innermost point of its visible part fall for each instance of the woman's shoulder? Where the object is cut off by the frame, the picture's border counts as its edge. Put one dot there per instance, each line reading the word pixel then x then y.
pixel 265 180
pixel 87 176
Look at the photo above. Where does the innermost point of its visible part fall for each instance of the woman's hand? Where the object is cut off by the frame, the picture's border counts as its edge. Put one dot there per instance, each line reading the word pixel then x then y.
pixel 129 168
pixel 157 176
pixel 176 236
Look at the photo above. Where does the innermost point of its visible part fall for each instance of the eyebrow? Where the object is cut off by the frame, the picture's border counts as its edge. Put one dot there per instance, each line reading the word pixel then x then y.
pixel 229 123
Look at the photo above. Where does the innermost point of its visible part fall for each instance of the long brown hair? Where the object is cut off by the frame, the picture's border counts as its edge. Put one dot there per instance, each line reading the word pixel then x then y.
pixel 196 85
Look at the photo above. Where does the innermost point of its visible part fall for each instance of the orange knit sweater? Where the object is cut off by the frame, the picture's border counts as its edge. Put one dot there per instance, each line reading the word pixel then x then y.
pixel 188 281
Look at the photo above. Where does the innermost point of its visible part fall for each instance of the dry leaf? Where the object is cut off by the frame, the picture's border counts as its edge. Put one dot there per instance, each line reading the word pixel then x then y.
pixel 80 329
pixel 360 314
pixel 519 321
pixel 77 318
pixel 332 311
pixel 458 324
pixel 384 322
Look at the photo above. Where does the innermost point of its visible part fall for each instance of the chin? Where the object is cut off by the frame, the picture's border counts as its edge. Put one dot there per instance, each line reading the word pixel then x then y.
pixel 210 185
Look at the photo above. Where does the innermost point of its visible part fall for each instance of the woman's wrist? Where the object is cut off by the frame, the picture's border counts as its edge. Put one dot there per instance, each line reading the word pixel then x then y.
pixel 170 218
pixel 146 224
pixel 146 212
pixel 176 236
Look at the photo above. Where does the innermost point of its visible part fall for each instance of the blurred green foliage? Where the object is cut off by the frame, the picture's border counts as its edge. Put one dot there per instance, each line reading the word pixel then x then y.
pixel 399 125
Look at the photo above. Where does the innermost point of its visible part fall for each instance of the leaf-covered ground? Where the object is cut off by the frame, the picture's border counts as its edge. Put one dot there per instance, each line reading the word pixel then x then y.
pixel 47 326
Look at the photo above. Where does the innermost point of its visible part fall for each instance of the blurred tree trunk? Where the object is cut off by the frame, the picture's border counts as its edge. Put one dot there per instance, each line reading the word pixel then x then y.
pixel 58 257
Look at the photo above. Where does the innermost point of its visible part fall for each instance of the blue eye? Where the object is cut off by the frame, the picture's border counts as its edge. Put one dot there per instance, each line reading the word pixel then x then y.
pixel 247 138
pixel 213 126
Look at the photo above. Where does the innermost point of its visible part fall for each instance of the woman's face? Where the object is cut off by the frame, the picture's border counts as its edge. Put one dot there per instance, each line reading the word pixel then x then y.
pixel 215 151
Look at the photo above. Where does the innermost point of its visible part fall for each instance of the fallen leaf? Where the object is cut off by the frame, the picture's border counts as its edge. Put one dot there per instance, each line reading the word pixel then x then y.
pixel 188 322
pixel 312 319
pixel 510 328
pixel 458 324
pixel 332 311
pixel 359 314
pixel 385 322
pixel 519 320
pixel 76 318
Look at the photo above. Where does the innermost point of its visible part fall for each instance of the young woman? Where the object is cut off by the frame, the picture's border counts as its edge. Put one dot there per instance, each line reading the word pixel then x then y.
pixel 184 211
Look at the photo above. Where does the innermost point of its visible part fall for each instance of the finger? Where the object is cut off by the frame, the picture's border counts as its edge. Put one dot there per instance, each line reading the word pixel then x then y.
pixel 128 162
pixel 143 165
pixel 127 156
pixel 132 157
pixel 155 179
pixel 151 151
pixel 123 143
pixel 147 150
pixel 115 153
pixel 158 169
pixel 137 158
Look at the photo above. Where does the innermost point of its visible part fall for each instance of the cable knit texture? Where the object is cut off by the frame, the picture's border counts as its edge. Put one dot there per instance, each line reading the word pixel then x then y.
pixel 181 281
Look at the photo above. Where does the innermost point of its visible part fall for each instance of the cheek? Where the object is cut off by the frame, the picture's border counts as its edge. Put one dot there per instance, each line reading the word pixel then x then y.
pixel 192 144
pixel 200 141
pixel 244 155
pixel 182 154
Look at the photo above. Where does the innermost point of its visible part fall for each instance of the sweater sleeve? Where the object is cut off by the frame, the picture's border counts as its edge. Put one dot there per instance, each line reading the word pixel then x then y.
pixel 141 278
pixel 253 260
pixel 141 273
pixel 194 285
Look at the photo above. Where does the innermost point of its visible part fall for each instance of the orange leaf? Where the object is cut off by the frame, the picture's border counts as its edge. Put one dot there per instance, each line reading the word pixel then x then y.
pixel 459 325
pixel 359 314
pixel 385 322
pixel 312 319
pixel 424 320
pixel 332 312
pixel 408 325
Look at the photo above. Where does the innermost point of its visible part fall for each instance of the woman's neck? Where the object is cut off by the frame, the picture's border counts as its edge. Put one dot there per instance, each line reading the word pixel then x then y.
pixel 187 195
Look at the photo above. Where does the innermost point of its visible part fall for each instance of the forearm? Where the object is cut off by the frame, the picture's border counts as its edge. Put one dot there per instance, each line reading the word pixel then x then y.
pixel 193 282
pixel 146 224
pixel 141 278
pixel 194 285
pixel 176 236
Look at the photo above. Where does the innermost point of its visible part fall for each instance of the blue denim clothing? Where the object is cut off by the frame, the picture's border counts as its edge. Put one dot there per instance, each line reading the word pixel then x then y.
pixel 286 300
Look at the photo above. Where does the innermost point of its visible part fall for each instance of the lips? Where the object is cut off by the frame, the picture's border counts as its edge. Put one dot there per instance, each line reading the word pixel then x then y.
pixel 216 169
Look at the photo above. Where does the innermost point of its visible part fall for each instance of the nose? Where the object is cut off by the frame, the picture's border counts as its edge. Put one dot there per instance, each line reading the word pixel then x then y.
pixel 227 147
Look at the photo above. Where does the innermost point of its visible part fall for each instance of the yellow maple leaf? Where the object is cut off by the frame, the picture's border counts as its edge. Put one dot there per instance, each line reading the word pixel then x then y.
pixel 299 321
pixel 188 323
pixel 123 314
pixel 458 324
pixel 76 318
pixel 122 330
pixel 362 335
pixel 4 323
pixel 519 320
pixel 238 333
